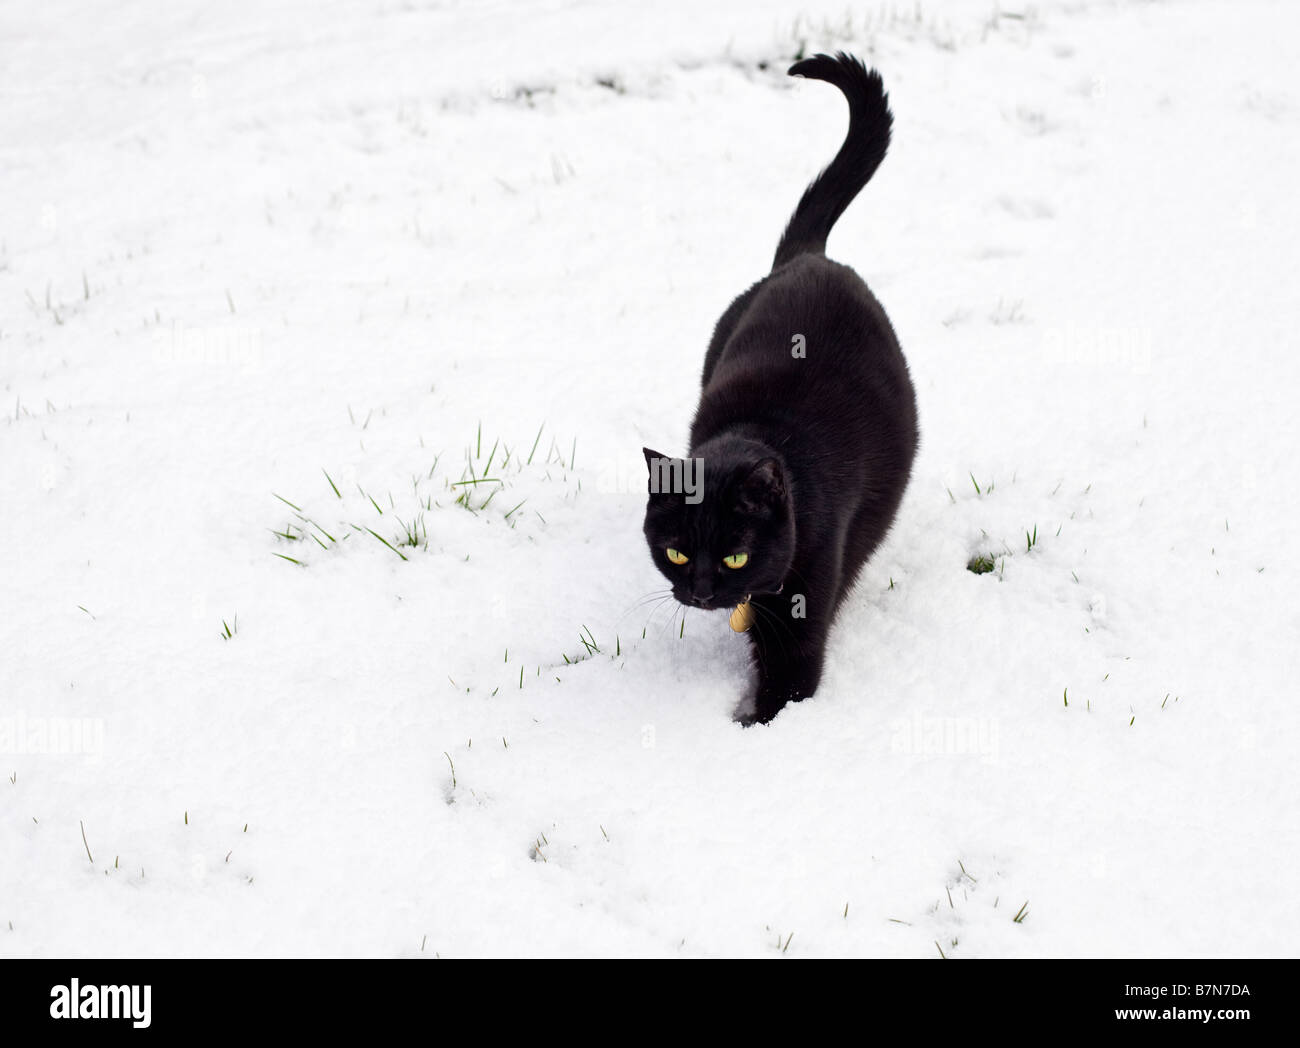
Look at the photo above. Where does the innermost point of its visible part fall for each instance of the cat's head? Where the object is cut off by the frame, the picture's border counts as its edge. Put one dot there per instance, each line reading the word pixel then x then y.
pixel 721 526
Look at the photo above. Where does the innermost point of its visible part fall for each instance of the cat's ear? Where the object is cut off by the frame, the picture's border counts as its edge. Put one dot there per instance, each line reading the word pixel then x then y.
pixel 660 473
pixel 762 489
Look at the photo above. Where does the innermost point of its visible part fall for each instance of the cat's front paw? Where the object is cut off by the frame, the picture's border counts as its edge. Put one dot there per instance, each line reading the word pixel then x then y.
pixel 772 699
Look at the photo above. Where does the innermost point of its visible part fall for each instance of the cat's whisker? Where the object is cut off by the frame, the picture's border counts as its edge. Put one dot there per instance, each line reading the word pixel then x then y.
pixel 655 610
pixel 654 596
pixel 781 630
pixel 672 619
pixel 659 606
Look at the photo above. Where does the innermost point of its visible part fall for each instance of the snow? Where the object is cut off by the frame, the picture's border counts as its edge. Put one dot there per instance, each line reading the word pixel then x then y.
pixel 249 246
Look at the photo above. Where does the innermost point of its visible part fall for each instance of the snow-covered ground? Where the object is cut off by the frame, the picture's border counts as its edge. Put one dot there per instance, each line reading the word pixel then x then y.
pixel 249 255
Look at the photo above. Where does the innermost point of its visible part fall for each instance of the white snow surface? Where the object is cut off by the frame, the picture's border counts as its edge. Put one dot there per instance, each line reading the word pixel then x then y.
pixel 254 250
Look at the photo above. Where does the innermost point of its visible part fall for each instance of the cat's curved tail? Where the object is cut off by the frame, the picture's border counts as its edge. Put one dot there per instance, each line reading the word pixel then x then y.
pixel 864 148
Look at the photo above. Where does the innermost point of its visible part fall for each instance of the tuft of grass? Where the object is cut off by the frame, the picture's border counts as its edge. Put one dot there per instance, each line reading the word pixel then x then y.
pixel 981 563
pixel 1031 540
pixel 412 533
pixel 1022 913
pixel 490 475
pixel 228 631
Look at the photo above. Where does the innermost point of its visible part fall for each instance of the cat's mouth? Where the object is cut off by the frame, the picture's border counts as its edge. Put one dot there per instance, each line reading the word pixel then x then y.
pixel 713 605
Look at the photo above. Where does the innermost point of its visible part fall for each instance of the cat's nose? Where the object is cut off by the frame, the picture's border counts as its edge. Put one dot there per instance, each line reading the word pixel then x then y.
pixel 702 595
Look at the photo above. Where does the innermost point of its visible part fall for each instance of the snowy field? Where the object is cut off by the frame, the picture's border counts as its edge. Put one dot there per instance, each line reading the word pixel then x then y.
pixel 276 282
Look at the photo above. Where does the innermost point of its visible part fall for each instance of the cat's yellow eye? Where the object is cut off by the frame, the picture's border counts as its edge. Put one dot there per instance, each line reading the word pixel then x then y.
pixel 736 560
pixel 676 557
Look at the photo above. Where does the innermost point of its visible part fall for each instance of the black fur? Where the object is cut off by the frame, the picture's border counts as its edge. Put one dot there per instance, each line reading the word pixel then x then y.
pixel 864 148
pixel 805 458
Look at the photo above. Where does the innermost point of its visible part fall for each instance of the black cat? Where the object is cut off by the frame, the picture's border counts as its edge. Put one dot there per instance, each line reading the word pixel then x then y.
pixel 805 433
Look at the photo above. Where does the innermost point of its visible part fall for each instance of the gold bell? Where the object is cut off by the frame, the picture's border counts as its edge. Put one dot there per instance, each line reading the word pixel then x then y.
pixel 742 616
